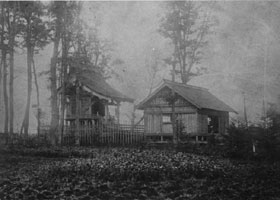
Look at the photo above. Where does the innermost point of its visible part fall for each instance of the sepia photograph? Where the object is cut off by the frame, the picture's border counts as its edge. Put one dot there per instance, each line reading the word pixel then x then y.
pixel 140 100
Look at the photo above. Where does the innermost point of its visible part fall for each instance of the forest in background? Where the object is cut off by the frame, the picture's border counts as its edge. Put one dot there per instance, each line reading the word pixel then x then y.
pixel 241 56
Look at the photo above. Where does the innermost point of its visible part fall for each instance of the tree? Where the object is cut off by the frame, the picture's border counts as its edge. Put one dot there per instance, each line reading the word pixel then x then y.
pixel 80 47
pixel 187 25
pixel 4 48
pixel 69 32
pixel 13 29
pixel 56 10
pixel 91 51
pixel 35 35
pixel 153 64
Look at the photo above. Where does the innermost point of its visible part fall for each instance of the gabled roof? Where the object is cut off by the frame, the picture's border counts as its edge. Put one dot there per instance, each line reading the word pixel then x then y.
pixel 97 84
pixel 198 96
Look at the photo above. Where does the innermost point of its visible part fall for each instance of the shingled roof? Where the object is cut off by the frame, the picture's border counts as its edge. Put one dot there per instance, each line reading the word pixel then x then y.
pixel 198 96
pixel 97 84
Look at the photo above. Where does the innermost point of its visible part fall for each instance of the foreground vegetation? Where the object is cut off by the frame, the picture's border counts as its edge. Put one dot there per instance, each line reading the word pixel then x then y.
pixel 121 173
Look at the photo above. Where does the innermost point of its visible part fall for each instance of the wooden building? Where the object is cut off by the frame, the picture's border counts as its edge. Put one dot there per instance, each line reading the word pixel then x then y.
pixel 198 112
pixel 88 97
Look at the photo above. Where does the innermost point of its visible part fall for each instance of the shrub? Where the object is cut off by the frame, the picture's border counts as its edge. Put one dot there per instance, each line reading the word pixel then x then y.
pixel 238 142
pixel 268 144
pixel 31 141
pixel 255 142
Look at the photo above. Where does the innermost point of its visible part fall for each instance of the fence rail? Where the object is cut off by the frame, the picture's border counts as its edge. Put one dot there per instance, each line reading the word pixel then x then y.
pixel 103 134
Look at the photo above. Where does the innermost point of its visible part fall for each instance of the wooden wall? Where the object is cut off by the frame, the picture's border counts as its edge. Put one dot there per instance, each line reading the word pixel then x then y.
pixel 203 122
pixel 189 122
pixel 154 125
pixel 158 106
pixel 163 110
pixel 195 121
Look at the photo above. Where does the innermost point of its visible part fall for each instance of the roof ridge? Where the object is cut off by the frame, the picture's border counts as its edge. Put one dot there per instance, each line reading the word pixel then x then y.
pixel 185 85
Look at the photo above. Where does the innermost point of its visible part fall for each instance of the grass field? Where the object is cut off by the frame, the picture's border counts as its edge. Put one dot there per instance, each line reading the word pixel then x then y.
pixel 122 173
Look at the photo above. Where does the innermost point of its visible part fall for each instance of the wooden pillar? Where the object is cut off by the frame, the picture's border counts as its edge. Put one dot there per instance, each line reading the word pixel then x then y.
pixel 133 119
pixel 106 112
pixel 77 135
pixel 118 112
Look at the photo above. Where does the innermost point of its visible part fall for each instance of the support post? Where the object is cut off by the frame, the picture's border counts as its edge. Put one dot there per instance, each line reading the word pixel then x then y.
pixel 106 112
pixel 118 112
pixel 133 119
pixel 77 135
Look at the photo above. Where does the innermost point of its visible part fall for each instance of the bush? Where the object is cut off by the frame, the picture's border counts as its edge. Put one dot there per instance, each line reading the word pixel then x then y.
pixel 268 144
pixel 238 142
pixel 256 142
pixel 31 141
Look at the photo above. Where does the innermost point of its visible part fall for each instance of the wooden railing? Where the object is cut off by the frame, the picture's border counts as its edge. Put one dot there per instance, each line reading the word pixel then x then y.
pixel 103 134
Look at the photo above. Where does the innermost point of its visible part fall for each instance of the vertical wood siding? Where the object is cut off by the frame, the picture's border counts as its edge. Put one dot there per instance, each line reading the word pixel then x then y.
pixel 190 122
pixel 152 123
pixel 167 128
pixel 202 124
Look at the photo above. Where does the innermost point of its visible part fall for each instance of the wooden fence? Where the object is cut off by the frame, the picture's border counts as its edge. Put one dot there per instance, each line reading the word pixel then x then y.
pixel 103 134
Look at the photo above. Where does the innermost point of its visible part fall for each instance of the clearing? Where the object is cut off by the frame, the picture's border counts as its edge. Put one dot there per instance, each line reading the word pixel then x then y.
pixel 125 173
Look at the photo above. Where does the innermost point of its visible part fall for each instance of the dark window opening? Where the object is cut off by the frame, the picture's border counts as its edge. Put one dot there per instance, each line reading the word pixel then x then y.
pixel 98 109
pixel 213 124
pixel 201 138
pixel 73 106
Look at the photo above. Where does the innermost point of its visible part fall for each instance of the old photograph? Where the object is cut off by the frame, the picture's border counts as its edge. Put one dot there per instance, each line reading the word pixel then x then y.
pixel 140 100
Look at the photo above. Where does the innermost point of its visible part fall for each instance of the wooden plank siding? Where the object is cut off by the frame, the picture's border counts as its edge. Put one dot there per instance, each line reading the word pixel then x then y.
pixel 195 120
pixel 165 110
pixel 154 125
pixel 189 122
pixel 203 122
pixel 158 106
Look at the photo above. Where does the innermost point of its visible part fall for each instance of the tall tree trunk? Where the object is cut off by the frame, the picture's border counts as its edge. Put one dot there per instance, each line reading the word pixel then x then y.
pixel 38 98
pixel 77 120
pixel 11 90
pixel 65 44
pixel 54 103
pixel 25 124
pixel 2 45
pixel 173 114
pixel 5 93
pixel 12 33
pixel 5 73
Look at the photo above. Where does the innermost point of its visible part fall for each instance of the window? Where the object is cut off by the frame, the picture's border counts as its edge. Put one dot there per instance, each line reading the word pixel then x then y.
pixel 166 118
pixel 213 124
